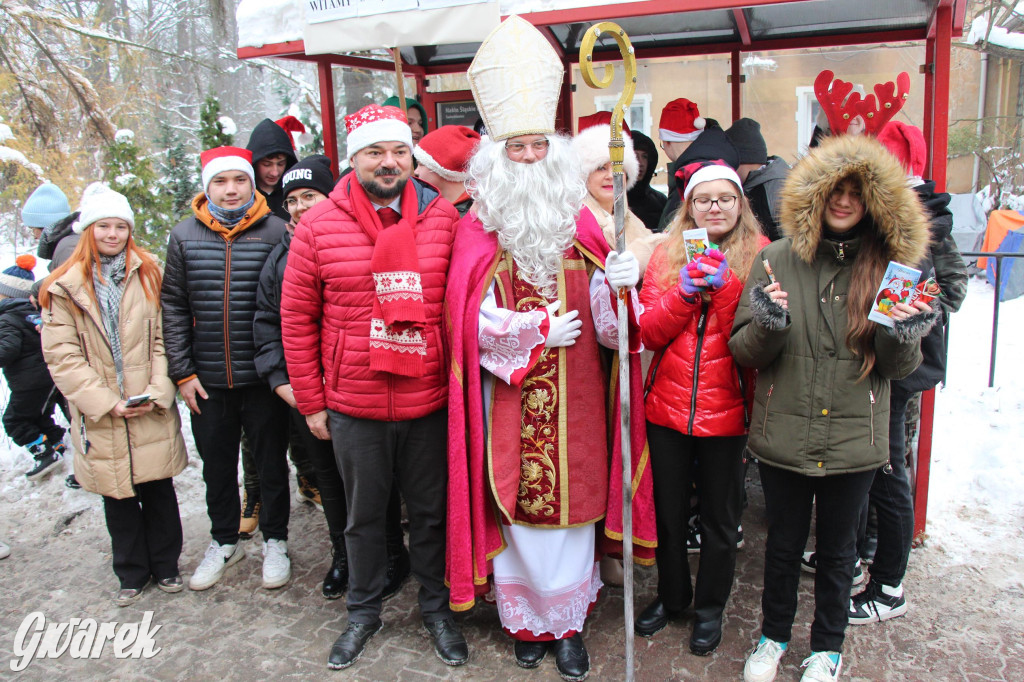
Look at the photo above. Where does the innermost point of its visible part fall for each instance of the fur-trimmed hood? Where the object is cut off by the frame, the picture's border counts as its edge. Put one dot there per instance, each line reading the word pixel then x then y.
pixel 895 208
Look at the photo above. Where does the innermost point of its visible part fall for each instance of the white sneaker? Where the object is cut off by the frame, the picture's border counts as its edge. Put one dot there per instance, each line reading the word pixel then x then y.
pixel 277 567
pixel 820 667
pixel 763 662
pixel 211 569
pixel 5 551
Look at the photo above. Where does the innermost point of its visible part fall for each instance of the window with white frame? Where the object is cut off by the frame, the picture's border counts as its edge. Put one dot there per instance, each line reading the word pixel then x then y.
pixel 807 108
pixel 639 115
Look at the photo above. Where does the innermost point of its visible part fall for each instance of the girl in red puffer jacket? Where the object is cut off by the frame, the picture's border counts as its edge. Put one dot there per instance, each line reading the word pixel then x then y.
pixel 696 397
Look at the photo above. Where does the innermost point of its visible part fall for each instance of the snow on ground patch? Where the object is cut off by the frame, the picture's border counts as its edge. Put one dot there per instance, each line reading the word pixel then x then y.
pixel 976 493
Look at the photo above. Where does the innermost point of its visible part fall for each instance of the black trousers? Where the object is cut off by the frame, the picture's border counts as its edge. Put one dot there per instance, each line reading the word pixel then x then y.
pixel 217 432
pixel 788 499
pixel 29 414
pixel 145 533
pixel 296 453
pixel 893 501
pixel 328 478
pixel 370 455
pixel 719 474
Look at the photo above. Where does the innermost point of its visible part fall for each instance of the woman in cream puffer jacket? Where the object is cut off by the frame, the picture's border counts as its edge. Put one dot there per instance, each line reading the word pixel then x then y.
pixel 103 343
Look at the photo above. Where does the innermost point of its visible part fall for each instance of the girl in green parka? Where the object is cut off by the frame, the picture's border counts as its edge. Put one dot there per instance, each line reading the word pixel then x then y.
pixel 819 427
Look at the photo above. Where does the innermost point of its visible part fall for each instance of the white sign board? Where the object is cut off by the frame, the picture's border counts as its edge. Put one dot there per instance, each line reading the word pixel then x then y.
pixel 319 11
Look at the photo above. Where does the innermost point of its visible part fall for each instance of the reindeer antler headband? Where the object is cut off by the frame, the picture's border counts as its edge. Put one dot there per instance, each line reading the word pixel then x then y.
pixel 876 110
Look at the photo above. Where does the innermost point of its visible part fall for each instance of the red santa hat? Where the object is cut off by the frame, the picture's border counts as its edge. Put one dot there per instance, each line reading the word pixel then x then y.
pixel 705 171
pixel 447 151
pixel 221 159
pixel 600 118
pixel 374 123
pixel 906 143
pixel 296 131
pixel 680 121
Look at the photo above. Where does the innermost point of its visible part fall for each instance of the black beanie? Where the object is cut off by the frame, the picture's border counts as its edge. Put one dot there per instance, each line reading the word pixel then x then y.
pixel 313 172
pixel 710 145
pixel 745 135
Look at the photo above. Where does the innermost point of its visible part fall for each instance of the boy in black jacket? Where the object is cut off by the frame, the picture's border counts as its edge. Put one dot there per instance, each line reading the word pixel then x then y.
pixel 28 419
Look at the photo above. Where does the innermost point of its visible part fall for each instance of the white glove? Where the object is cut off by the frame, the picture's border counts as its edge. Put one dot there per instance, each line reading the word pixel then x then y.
pixel 622 270
pixel 563 330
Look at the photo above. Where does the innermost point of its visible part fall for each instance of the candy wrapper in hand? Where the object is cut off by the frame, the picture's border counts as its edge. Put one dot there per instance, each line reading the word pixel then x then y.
pixel 927 291
pixel 898 286
pixel 696 242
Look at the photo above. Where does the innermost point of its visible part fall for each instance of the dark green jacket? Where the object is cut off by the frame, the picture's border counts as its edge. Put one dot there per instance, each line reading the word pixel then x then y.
pixel 811 414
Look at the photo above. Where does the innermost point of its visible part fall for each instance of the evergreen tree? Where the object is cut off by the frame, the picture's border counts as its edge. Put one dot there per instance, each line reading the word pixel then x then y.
pixel 131 173
pixel 211 130
pixel 178 167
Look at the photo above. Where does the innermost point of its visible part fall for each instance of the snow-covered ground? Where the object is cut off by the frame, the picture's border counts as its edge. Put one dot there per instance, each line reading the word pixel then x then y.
pixel 976 496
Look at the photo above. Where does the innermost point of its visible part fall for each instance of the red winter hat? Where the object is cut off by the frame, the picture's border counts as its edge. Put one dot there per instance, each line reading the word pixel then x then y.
pixel 374 123
pixel 680 121
pixel 906 143
pixel 220 159
pixel 447 151
pixel 600 118
pixel 295 129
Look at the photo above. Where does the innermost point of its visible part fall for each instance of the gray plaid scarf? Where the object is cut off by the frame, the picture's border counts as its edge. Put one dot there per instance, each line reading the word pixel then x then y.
pixel 109 290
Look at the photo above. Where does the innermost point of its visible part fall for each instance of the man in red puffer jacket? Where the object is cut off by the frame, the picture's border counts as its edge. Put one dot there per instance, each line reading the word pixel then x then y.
pixel 361 325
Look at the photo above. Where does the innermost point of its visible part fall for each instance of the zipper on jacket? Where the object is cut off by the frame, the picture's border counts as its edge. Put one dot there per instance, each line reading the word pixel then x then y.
pixel 227 289
pixel 871 397
pixel 842 253
pixel 743 395
pixel 701 325
pixel 767 401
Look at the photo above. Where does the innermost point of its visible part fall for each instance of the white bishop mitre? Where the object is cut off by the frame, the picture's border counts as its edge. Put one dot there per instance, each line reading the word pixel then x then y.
pixel 516 78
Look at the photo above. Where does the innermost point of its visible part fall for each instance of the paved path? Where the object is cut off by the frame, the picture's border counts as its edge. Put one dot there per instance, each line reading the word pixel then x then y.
pixel 964 623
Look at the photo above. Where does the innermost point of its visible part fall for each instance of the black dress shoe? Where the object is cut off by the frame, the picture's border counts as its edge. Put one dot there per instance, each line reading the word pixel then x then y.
pixel 398 569
pixel 653 619
pixel 449 644
pixel 349 645
pixel 530 654
pixel 336 580
pixel 571 658
pixel 706 636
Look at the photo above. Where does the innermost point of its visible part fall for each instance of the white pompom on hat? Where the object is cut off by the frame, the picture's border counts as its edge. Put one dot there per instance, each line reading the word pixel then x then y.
pixel 591 146
pixel 99 202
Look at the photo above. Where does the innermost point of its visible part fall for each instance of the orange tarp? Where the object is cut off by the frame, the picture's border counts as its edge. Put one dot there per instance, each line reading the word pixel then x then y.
pixel 999 223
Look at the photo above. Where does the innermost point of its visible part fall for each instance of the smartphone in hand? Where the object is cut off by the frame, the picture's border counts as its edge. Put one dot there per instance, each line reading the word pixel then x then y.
pixel 137 400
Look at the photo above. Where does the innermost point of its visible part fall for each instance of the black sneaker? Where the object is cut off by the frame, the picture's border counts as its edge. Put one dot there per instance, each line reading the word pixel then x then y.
pixel 873 605
pixel 693 538
pixel 72 482
pixel 46 464
pixel 809 563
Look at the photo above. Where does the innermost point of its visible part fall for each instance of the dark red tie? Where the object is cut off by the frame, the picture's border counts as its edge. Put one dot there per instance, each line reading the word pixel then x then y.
pixel 388 216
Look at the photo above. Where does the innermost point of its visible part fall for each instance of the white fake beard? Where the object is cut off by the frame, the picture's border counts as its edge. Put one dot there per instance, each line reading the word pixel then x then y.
pixel 531 207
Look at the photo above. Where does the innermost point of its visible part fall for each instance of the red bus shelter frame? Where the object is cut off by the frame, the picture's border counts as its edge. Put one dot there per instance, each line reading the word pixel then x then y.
pixel 947 22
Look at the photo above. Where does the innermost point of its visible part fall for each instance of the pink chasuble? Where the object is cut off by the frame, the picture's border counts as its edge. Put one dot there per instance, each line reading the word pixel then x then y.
pixel 548 463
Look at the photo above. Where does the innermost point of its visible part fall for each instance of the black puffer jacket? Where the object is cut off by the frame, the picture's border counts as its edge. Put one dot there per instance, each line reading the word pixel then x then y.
pixel 21 349
pixel 269 138
pixel 52 237
pixel 266 328
pixel 944 262
pixel 209 300
pixel 645 202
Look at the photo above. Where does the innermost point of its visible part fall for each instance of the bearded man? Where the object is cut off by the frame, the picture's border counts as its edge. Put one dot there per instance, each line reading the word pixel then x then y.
pixel 361 326
pixel 533 409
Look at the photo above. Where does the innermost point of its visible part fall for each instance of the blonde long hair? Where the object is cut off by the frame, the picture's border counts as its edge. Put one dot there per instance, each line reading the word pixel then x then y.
pixel 742 242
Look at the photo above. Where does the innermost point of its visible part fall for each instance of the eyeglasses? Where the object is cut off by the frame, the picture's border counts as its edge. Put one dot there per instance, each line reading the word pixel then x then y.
pixel 308 199
pixel 703 204
pixel 537 146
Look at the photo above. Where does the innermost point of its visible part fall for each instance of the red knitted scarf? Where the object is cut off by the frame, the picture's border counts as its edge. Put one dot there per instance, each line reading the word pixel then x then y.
pixel 397 341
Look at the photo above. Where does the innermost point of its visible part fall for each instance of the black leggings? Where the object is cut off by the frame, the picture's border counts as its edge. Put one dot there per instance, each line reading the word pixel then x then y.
pixel 719 478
